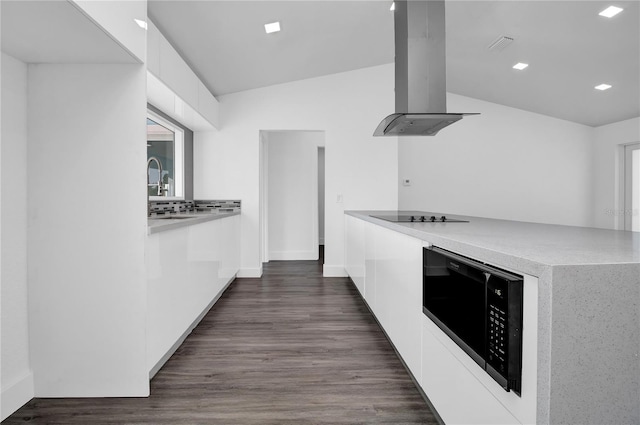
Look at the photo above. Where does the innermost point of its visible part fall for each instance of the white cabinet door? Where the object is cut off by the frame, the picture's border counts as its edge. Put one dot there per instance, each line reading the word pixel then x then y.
pixel 354 251
pixel 370 231
pixel 186 269
pixel 190 102
pixel 399 292
pixel 229 247
pixel 455 392
pixel 177 75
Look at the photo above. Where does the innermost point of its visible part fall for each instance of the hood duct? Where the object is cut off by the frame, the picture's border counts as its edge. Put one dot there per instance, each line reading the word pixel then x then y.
pixel 420 68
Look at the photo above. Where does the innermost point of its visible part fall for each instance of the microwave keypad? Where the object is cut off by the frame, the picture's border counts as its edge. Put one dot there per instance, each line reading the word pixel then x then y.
pixel 498 340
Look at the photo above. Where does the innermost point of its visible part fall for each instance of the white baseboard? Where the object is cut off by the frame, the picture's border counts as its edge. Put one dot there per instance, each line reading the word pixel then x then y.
pixel 16 395
pixel 250 272
pixel 293 255
pixel 334 271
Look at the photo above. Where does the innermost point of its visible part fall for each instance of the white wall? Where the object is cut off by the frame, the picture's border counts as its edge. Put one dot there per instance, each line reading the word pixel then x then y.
pixel 361 168
pixel 17 379
pixel 293 194
pixel 86 229
pixel 607 157
pixel 505 163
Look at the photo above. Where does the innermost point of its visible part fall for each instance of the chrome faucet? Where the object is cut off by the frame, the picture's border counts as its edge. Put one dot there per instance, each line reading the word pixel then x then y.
pixel 159 184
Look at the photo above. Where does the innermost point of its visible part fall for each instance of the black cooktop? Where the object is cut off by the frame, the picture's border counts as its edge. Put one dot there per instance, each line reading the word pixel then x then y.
pixel 418 217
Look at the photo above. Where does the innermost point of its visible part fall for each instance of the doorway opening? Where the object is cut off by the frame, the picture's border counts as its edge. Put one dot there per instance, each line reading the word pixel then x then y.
pixel 291 194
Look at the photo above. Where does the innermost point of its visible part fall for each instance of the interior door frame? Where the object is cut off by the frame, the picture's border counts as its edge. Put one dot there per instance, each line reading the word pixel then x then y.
pixel 628 186
pixel 264 192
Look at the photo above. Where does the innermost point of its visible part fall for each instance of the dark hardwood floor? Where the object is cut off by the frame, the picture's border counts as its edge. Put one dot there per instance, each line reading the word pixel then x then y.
pixel 289 348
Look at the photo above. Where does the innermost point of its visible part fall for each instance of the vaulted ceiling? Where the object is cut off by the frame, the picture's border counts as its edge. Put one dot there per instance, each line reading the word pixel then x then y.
pixel 569 48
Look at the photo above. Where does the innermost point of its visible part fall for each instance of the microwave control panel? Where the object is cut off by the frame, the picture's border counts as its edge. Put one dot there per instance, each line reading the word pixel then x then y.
pixel 498 338
pixel 504 329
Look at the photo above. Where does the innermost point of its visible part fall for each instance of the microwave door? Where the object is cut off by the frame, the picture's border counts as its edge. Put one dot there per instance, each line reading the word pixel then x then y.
pixel 454 298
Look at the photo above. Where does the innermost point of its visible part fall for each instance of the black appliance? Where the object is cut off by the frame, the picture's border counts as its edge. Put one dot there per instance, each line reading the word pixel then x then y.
pixel 480 307
pixel 418 217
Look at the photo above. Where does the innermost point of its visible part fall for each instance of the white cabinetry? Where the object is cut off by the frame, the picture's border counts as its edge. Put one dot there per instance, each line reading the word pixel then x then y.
pixel 191 95
pixel 386 266
pixel 458 397
pixel 187 269
pixel 398 289
pixel 354 251
pixel 370 264
pixel 176 74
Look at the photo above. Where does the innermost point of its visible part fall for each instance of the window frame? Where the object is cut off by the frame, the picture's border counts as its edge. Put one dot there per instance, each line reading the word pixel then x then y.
pixel 178 158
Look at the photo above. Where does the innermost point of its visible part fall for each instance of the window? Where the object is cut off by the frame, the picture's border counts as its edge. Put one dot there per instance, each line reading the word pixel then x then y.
pixel 165 143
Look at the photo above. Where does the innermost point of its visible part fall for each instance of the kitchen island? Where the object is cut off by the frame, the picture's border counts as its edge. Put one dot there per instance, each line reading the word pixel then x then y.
pixel 581 326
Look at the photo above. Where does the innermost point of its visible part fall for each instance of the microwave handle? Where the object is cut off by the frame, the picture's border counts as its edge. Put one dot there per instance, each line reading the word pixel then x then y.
pixel 477 264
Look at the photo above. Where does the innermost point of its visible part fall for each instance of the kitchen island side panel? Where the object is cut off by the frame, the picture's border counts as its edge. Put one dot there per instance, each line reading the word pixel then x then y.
pixel 595 340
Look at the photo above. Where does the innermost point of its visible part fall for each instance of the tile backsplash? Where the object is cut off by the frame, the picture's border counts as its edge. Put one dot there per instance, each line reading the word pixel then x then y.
pixel 211 205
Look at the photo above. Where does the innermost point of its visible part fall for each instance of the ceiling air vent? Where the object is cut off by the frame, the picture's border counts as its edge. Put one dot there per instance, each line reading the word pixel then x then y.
pixel 500 43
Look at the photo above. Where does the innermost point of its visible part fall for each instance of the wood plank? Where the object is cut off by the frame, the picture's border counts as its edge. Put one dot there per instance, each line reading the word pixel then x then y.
pixel 289 348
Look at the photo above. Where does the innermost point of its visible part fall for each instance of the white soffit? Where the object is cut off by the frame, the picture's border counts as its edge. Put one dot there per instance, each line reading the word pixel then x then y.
pixel 55 31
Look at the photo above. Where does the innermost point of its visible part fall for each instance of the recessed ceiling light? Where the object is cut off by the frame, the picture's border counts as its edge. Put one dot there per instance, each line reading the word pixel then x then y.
pixel 520 66
pixel 393 6
pixel 611 11
pixel 272 27
pixel 602 87
pixel 142 24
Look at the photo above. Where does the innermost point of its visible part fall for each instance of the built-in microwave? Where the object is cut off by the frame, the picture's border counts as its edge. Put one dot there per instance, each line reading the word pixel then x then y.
pixel 478 306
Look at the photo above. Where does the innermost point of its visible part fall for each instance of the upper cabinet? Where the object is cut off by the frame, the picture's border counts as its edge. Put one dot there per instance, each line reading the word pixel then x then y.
pixel 170 74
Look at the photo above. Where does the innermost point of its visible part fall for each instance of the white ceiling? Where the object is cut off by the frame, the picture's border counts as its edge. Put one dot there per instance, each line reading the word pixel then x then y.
pixel 569 47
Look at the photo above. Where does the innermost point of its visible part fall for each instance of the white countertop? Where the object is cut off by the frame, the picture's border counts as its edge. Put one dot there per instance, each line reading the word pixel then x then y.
pixel 175 221
pixel 529 245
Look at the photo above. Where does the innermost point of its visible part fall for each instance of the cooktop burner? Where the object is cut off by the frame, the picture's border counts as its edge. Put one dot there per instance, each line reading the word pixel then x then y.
pixel 418 217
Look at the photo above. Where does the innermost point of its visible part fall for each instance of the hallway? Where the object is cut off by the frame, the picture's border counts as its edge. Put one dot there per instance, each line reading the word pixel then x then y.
pixel 289 348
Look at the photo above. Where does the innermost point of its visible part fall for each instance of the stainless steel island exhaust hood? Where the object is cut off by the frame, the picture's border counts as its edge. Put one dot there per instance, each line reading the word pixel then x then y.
pixel 421 87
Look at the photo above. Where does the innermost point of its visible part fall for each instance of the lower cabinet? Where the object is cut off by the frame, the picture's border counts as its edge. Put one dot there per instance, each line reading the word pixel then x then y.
pixel 398 291
pixel 354 251
pixel 187 269
pixel 453 390
pixel 386 267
